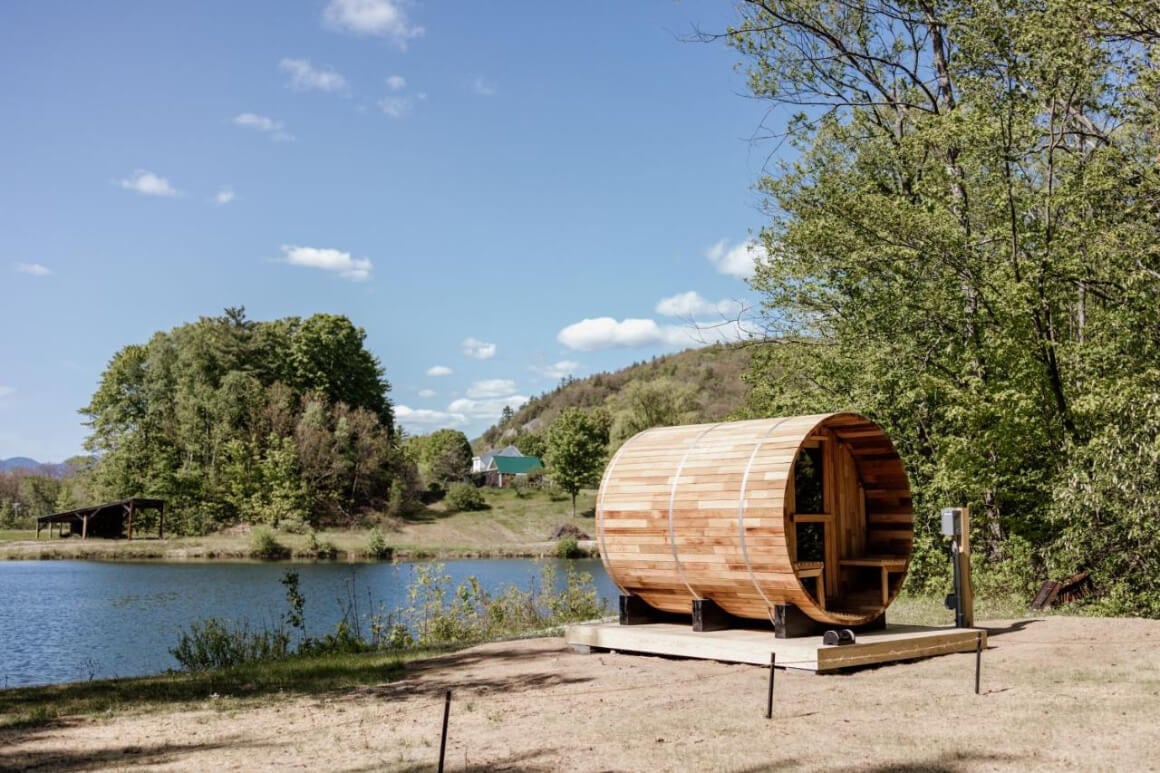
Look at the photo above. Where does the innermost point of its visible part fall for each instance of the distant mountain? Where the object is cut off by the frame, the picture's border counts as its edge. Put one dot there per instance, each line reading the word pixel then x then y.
pixel 715 370
pixel 24 464
pixel 18 463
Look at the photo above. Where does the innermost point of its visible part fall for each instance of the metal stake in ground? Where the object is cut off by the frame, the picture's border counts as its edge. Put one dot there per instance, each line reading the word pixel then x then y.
pixel 769 697
pixel 443 740
pixel 978 660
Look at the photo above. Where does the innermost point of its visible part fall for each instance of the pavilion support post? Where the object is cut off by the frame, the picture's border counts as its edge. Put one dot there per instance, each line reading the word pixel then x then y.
pixel 84 527
pixel 132 509
pixel 38 529
pixel 161 522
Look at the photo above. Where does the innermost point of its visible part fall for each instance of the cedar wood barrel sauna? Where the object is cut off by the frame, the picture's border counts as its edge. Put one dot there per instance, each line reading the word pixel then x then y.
pixel 812 512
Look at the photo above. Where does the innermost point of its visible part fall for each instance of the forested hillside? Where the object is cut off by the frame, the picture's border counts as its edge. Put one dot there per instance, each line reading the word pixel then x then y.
pixel 228 419
pixel 695 385
pixel 967 249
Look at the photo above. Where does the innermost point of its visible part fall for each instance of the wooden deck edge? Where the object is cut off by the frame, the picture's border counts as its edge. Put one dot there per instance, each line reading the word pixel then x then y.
pixel 639 639
pixel 754 648
pixel 911 648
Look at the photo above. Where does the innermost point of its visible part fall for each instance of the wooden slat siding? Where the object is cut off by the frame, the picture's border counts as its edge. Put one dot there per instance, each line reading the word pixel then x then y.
pixel 700 549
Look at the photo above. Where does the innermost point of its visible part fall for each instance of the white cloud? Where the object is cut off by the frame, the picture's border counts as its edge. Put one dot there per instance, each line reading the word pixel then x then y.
pixel 557 370
pixel 482 87
pixel 480 350
pixel 692 305
pixel 607 333
pixel 491 387
pixel 261 123
pixel 381 18
pixel 395 107
pixel 306 77
pixel 428 393
pixel 35 269
pixel 224 196
pixel 6 390
pixel 737 260
pixel 439 370
pixel 148 184
pixel 396 83
pixel 342 263
pixel 264 124
pixel 422 417
pixel 489 409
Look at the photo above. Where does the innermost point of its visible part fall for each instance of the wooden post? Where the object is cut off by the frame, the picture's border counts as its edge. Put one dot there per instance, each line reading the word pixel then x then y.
pixel 161 527
pixel 84 527
pixel 132 508
pixel 38 528
pixel 967 602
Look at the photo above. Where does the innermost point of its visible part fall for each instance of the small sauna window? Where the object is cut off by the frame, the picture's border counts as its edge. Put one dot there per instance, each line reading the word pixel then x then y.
pixel 807 482
pixel 811 542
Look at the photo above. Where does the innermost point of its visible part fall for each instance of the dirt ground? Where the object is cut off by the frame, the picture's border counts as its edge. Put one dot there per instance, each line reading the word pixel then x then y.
pixel 1058 693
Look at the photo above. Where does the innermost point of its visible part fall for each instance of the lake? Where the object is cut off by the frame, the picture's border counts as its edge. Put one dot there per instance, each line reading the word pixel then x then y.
pixel 66 621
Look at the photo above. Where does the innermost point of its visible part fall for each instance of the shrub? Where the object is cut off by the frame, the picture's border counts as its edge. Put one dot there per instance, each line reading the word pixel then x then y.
pixel 316 548
pixel 464 497
pixel 264 545
pixel 214 644
pixel 377 546
pixel 569 547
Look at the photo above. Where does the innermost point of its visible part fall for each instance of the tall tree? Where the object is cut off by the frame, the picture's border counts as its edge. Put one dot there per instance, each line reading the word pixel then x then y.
pixel 327 355
pixel 443 456
pixel 232 419
pixel 575 451
pixel 966 244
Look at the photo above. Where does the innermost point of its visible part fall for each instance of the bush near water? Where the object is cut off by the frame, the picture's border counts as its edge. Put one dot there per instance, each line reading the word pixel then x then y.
pixel 437 614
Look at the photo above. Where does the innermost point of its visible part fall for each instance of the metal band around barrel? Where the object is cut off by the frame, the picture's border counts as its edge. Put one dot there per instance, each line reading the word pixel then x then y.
pixel 672 500
pixel 600 515
pixel 741 510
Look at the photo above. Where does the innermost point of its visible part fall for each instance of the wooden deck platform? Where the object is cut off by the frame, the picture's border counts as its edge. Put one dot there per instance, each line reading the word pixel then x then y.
pixel 895 643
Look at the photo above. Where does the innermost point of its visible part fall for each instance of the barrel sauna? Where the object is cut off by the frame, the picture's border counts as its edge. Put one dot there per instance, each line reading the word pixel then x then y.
pixel 809 511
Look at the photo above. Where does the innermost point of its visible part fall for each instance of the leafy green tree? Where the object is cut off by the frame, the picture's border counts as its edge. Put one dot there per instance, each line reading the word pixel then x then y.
pixel 966 248
pixel 327 355
pixel 659 402
pixel 575 453
pixel 211 414
pixel 531 444
pixel 443 456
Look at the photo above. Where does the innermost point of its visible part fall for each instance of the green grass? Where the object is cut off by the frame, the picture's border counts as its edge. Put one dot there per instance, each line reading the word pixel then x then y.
pixel 909 609
pixel 516 523
pixel 32 706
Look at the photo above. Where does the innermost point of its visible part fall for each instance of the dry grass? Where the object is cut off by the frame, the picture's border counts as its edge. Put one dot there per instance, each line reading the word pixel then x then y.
pixel 1058 694
pixel 515 525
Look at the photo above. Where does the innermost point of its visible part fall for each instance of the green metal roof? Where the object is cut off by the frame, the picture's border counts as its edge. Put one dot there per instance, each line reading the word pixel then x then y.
pixel 516 465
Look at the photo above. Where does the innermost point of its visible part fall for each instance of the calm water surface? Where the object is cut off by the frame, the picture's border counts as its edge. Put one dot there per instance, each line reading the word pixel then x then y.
pixel 65 621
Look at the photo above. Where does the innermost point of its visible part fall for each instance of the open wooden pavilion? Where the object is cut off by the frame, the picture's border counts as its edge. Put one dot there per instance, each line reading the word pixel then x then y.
pixel 112 520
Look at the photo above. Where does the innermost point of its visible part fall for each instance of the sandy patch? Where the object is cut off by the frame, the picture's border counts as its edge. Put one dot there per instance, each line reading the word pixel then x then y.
pixel 1059 693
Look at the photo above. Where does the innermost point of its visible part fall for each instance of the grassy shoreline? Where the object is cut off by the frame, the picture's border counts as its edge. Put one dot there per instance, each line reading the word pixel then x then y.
pixel 515 525
pixel 306 675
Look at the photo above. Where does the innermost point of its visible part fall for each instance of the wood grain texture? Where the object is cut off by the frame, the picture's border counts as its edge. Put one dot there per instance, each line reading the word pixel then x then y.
pixel 707 512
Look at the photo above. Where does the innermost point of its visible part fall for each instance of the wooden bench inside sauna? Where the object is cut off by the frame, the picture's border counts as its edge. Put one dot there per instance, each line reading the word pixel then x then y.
pixel 805 521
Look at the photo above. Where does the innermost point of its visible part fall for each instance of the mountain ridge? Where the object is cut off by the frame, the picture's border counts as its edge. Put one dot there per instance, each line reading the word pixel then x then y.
pixel 716 371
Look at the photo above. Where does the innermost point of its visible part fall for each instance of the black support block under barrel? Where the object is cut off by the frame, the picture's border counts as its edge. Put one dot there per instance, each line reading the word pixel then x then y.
pixel 789 622
pixel 634 611
pixel 707 616
pixel 877 624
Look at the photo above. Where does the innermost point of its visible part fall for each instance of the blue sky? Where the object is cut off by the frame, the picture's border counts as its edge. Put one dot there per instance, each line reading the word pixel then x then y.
pixel 499 193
